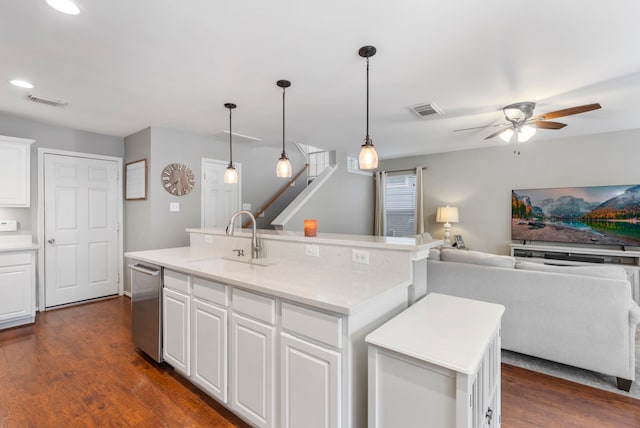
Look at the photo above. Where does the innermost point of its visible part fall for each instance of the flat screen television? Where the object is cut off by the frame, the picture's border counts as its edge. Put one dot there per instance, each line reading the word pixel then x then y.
pixel 605 215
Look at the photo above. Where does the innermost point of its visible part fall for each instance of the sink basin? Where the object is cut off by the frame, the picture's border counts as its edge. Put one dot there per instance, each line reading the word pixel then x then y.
pixel 223 265
pixel 254 262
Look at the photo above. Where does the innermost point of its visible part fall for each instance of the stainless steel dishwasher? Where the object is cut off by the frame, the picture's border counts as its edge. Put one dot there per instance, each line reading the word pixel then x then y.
pixel 146 308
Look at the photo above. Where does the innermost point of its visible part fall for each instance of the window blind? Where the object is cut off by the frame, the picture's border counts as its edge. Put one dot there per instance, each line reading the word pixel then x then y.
pixel 400 204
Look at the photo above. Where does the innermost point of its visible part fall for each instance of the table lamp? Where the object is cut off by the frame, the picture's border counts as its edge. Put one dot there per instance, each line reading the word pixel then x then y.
pixel 447 215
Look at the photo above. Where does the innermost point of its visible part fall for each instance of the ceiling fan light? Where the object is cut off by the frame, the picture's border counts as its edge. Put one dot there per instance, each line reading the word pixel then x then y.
pixel 506 135
pixel 525 133
pixel 64 6
pixel 231 175
pixel 283 168
pixel 368 158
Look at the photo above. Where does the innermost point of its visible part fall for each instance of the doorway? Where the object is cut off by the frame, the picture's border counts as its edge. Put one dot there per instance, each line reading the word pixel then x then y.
pixel 80 210
pixel 219 200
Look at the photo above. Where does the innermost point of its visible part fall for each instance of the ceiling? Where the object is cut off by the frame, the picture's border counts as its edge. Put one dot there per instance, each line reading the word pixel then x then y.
pixel 124 65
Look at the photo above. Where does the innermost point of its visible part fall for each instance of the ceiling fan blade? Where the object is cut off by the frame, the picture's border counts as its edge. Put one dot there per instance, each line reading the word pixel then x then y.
pixel 478 127
pixel 567 111
pixel 498 132
pixel 547 125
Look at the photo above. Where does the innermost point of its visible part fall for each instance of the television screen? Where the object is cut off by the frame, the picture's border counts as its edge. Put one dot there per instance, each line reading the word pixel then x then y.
pixel 606 215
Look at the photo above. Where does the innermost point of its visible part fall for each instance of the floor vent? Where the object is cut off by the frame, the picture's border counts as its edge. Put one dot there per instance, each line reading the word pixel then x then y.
pixel 424 110
pixel 46 100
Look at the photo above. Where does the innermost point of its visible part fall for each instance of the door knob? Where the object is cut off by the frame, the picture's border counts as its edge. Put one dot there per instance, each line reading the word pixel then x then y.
pixel 51 241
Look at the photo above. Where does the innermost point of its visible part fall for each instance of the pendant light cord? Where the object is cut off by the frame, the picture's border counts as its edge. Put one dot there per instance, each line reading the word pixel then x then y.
pixel 230 145
pixel 367 139
pixel 283 128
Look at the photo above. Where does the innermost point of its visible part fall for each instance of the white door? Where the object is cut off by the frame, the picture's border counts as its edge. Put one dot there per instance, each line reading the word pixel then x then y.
pixel 310 384
pixel 209 340
pixel 252 370
pixel 80 228
pixel 219 200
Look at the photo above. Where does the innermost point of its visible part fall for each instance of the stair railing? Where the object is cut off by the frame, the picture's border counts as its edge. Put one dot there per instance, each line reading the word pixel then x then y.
pixel 276 196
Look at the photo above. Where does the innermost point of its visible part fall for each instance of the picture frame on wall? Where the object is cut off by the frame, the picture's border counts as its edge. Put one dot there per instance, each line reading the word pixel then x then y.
pixel 135 180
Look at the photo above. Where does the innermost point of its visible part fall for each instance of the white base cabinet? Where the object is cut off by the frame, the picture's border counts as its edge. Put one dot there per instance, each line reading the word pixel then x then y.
pixel 17 289
pixel 252 370
pixel 175 329
pixel 437 364
pixel 209 348
pixel 310 384
pixel 272 362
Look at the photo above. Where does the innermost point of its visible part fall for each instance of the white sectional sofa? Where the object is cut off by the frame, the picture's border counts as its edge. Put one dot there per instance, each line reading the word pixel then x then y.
pixel 579 316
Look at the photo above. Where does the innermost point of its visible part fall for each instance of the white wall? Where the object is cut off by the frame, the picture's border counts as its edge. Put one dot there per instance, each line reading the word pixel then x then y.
pixel 479 182
pixel 343 204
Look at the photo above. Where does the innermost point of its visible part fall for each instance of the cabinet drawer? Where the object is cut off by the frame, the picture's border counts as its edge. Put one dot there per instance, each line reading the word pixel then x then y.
pixel 211 291
pixel 176 281
pixel 316 325
pixel 13 259
pixel 255 305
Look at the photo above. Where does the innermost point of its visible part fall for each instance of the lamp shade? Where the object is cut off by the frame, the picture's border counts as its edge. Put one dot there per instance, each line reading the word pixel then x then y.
pixel 231 175
pixel 447 215
pixel 524 134
pixel 368 158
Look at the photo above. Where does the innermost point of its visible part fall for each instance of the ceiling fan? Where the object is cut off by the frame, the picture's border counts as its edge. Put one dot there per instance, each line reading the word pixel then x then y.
pixel 522 123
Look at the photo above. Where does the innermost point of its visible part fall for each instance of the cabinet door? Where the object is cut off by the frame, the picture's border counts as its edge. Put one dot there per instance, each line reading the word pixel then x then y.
pixel 175 329
pixel 209 348
pixel 309 384
pixel 16 293
pixel 15 161
pixel 252 370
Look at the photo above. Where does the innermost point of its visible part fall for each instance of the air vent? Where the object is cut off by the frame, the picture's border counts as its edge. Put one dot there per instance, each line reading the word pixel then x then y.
pixel 424 110
pixel 237 138
pixel 46 100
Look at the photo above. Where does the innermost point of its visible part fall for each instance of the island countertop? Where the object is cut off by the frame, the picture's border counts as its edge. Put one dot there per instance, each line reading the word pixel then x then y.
pixel 335 290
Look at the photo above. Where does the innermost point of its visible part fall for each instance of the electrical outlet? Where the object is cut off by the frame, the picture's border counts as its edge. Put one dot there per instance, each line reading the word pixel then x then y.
pixel 208 239
pixel 360 256
pixel 312 250
pixel 174 207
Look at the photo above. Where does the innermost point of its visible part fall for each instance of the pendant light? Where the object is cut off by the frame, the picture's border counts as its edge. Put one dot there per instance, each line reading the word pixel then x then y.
pixel 283 169
pixel 230 174
pixel 368 158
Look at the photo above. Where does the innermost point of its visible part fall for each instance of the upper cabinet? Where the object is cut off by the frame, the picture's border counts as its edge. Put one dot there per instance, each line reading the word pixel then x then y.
pixel 15 171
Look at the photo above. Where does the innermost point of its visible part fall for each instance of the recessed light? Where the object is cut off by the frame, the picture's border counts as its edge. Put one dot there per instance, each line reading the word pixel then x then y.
pixel 64 6
pixel 22 84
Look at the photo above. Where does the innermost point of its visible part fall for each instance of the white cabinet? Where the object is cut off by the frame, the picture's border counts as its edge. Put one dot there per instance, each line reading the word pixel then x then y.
pixel 209 348
pixel 17 288
pixel 310 384
pixel 252 370
pixel 175 329
pixel 438 361
pixel 15 161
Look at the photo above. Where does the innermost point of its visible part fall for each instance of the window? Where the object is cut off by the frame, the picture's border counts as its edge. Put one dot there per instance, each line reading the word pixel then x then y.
pixel 400 204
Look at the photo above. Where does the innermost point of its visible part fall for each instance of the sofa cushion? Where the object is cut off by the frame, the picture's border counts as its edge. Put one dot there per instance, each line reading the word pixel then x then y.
pixel 476 258
pixel 434 254
pixel 610 272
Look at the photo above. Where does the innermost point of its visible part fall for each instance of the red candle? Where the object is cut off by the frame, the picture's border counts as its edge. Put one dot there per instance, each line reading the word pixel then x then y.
pixel 310 227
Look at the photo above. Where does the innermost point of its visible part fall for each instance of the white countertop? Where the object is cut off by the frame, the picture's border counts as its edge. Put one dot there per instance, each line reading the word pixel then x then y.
pixel 369 241
pixel 16 242
pixel 447 331
pixel 339 291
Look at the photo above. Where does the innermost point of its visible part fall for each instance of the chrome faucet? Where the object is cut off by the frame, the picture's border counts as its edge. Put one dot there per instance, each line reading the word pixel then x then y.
pixel 255 249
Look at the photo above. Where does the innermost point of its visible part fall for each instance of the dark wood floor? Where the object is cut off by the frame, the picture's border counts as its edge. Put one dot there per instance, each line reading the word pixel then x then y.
pixel 77 367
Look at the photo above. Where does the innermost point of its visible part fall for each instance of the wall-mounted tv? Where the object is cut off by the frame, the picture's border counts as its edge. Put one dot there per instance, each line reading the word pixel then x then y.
pixel 606 215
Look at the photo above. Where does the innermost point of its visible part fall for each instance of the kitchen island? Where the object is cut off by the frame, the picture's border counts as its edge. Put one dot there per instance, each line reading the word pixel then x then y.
pixel 279 340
